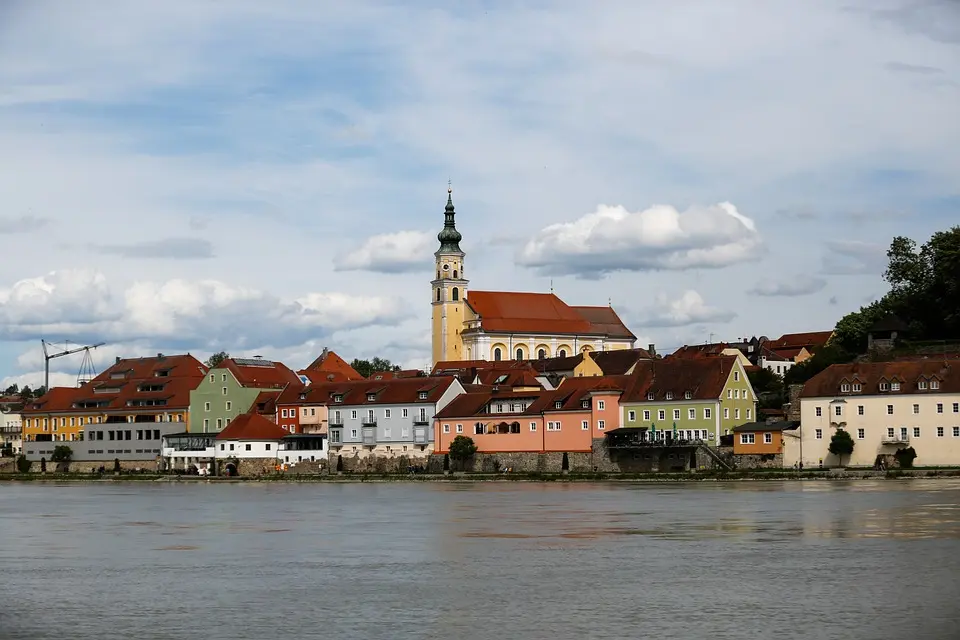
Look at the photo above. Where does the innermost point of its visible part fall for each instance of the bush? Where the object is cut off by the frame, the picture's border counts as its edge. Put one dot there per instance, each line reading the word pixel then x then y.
pixel 565 463
pixel 116 465
pixel 339 464
pixel 43 465
pixel 446 462
pixel 23 465
pixel 905 457
pixel 462 449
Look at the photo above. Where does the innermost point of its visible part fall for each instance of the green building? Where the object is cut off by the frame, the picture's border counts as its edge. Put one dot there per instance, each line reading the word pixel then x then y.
pixel 704 397
pixel 231 388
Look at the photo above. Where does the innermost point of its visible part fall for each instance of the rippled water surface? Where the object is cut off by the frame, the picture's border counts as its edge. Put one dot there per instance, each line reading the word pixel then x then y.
pixel 863 559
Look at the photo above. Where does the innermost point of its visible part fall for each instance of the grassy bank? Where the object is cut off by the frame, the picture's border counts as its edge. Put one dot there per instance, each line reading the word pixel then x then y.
pixel 703 476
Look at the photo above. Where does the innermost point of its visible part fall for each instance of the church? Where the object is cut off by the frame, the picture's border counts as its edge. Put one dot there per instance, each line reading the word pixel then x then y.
pixel 507 325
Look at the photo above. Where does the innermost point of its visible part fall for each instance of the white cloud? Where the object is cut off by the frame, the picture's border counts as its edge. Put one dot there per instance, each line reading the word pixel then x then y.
pixel 182 314
pixel 796 285
pixel 658 238
pixel 389 253
pixel 854 257
pixel 688 309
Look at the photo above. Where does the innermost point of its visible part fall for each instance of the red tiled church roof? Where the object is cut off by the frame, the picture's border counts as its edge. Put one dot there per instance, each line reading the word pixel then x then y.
pixel 543 313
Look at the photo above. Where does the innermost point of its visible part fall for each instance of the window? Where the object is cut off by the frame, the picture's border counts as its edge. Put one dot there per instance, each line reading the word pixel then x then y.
pixel 456 292
pixel 956 407
pixel 726 413
pixel 519 353
pixel 884 386
pixel 768 438
pixel 267 446
pixel 459 428
pixel 631 416
pixel 861 434
pixel 337 397
pixel 231 446
pixel 600 425
pixel 939 432
pixel 939 407
pixel 819 434
pixel 669 395
pixel 661 415
pixel 922 385
pixel 600 405
pixel 386 413
pixel 676 414
pixel 533 426
pixel 856 387
pixel 353 414
pixel 223 391
pixel 736 414
pixel 707 413
pixel 646 415
pixel 213 378
pixel 889 432
pixel 916 409
pixel 422 395
pixel 859 409
pixel 819 412
pixel 749 413
pixel 934 384
pixel 404 413
pixel 562 353
pixel 438 295
pixel 353 433
pixel 838 410
pixel 387 435
pixel 956 432
pixel 585 425
pixel 650 396
pixel 219 423
pixel 736 376
pixel 747 438
pixel 497 354
pixel 729 394
pixel 446 428
pixel 916 432
pixel 371 397
pixel 895 386
pixel 845 388
pixel 558 404
pixel 478 429
pixel 206 406
pixel 249 448
pixel 691 414
pixel 687 395
pixel 541 354
pixel 736 394
pixel 889 409
pixel 283 413
pixel 206 424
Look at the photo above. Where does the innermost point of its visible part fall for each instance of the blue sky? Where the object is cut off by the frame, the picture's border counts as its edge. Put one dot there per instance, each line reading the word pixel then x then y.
pixel 269 177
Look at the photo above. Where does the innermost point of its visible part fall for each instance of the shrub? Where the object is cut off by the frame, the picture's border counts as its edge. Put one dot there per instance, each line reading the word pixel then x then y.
pixel 565 463
pixel 905 457
pixel 23 465
pixel 462 449
pixel 43 465
pixel 339 464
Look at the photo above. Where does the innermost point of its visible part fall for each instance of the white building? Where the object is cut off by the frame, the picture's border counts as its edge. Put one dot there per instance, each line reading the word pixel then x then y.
pixel 11 432
pixel 884 406
pixel 773 361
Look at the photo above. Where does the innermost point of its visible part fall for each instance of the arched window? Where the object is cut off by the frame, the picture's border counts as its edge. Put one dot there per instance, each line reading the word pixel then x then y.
pixel 454 274
pixel 562 353
pixel 456 292
pixel 497 354
pixel 438 274
pixel 542 354
pixel 438 295
pixel 519 354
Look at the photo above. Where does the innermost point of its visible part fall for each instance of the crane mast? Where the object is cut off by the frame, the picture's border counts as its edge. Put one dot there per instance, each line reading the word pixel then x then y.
pixel 86 368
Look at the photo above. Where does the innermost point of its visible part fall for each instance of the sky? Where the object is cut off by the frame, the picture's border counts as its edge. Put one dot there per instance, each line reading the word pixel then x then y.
pixel 268 178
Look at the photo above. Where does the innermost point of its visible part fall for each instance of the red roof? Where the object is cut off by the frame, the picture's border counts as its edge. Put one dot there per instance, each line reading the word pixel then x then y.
pixel 704 378
pixel 261 374
pixel 330 364
pixel 265 403
pixel 393 391
pixel 697 351
pixel 252 426
pixel 869 375
pixel 810 340
pixel 150 385
pixel 542 313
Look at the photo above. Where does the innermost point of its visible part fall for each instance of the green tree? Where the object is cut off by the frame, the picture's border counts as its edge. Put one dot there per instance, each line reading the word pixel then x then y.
pixel 841 444
pixel 768 386
pixel 216 359
pixel 367 368
pixel 12 390
pixel 905 457
pixel 462 449
pixel 39 391
pixel 62 455
pixel 823 358
pixel 851 331
pixel 26 393
pixel 23 465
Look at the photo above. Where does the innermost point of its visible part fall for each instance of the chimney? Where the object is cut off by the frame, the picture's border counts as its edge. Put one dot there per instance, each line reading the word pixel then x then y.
pixel 652 349
pixel 159 356
pixel 118 360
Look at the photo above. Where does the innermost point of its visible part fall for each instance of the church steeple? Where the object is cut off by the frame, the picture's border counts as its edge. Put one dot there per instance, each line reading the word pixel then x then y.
pixel 449 237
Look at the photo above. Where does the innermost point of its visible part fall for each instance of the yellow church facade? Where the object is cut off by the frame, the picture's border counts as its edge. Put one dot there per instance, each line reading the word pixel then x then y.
pixel 507 325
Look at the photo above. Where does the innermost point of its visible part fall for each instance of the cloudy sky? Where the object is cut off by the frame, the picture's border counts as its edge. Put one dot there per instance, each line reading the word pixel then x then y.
pixel 269 177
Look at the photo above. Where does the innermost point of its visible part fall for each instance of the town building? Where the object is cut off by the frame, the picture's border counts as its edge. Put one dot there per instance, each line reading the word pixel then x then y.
pixel 710 350
pixel 772 444
pixel 696 398
pixel 123 400
pixel 884 406
pixel 500 325
pixel 593 363
pixel 567 419
pixel 11 432
pixel 328 367
pixel 799 346
pixel 232 387
pixel 387 417
pixel 775 362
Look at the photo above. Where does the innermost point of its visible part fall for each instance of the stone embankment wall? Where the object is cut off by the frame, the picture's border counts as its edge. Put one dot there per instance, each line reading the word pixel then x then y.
pixel 383 464
pixel 746 461
pixel 145 466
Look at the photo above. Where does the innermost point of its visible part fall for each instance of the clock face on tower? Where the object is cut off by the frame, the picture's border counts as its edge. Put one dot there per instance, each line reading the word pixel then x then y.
pixel 446 267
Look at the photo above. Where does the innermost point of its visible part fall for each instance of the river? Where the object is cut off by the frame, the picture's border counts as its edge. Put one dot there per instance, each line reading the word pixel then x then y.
pixel 815 559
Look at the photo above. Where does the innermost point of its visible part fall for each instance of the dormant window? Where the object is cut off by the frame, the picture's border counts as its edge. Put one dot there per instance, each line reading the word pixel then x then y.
pixel 884 386
pixel 649 396
pixel 922 385
pixel 669 395
pixel 845 388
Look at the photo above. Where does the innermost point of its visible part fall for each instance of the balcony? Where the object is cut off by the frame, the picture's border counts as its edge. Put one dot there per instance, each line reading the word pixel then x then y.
pixel 419 436
pixel 421 423
pixel 370 435
pixel 897 439
pixel 368 422
pixel 336 423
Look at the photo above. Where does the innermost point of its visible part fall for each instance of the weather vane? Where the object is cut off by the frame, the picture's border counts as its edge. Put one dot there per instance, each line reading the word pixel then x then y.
pixel 449 187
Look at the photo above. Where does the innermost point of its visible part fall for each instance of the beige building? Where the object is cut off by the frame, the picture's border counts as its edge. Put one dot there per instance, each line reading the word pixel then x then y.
pixel 507 325
pixel 884 406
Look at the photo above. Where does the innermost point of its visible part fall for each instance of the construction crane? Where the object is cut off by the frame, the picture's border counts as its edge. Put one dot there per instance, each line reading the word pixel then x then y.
pixel 87 365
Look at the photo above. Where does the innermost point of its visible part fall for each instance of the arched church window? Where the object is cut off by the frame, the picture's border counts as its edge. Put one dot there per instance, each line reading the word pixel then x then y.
pixel 542 354
pixel 562 353
pixel 438 274
pixel 519 353
pixel 497 354
pixel 454 274
pixel 456 292
pixel 438 295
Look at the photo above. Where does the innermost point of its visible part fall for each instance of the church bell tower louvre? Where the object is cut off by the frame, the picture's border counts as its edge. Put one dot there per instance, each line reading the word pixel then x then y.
pixel 449 289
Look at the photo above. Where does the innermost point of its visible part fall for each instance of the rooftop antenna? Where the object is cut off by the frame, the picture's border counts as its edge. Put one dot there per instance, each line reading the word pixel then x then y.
pixel 551 285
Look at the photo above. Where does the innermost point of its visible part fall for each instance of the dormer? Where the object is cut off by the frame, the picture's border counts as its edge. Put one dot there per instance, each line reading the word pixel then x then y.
pixel 669 395
pixel 896 383
pixel 687 395
pixel 161 373
pixel 922 384
pixel 119 375
pixel 338 397
pixel 146 387
pixel 934 383
pixel 422 395
pixel 585 404
pixel 372 397
pixel 884 384
pixel 650 396
pixel 845 386
pixel 303 396
pixel 558 404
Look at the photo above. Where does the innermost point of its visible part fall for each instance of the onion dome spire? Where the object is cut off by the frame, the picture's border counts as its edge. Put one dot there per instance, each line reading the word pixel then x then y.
pixel 449 237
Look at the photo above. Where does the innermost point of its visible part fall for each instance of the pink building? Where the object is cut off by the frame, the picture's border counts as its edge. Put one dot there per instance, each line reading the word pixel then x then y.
pixel 566 419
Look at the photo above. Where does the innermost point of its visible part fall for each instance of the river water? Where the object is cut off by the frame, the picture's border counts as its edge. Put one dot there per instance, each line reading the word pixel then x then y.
pixel 859 559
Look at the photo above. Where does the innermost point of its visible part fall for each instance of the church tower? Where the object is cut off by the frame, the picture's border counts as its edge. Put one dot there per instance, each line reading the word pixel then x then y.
pixel 449 290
